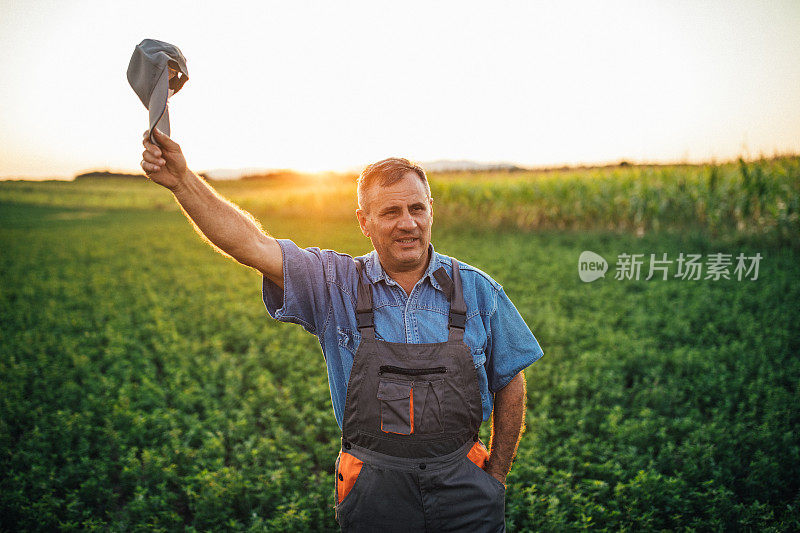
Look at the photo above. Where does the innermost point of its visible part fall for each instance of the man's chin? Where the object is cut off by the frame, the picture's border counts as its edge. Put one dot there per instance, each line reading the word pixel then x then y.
pixel 411 256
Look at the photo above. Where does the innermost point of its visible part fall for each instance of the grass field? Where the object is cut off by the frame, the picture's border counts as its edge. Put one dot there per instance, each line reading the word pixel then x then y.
pixel 144 387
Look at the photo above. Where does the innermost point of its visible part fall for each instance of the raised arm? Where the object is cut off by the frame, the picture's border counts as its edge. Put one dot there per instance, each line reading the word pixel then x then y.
pixel 228 228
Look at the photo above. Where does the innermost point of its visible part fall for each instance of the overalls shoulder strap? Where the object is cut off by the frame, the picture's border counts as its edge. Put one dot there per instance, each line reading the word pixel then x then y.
pixel 365 316
pixel 457 319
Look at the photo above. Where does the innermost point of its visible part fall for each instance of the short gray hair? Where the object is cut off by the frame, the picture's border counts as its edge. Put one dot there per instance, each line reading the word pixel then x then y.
pixel 387 172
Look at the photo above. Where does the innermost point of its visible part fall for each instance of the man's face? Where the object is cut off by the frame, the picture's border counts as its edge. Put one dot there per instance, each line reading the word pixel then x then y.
pixel 398 223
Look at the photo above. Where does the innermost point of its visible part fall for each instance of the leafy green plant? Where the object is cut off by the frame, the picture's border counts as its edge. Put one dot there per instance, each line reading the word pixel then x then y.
pixel 144 387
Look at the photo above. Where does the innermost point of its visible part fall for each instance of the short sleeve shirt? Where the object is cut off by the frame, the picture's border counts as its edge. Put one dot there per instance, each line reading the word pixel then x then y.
pixel 319 293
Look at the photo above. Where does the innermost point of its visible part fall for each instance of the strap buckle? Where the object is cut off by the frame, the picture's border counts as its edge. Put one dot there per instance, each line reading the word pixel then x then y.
pixel 458 320
pixel 365 319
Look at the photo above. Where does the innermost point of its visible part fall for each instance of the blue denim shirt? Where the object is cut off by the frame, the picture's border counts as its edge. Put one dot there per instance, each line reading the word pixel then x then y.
pixel 319 293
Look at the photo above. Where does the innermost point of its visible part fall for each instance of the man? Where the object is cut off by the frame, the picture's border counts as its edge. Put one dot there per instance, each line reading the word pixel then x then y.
pixel 415 344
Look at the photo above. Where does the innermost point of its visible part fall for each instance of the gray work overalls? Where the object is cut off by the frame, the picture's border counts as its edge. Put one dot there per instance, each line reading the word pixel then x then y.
pixel 411 459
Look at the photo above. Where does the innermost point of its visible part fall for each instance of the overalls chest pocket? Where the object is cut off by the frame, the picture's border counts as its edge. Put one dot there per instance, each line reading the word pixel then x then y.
pixel 411 400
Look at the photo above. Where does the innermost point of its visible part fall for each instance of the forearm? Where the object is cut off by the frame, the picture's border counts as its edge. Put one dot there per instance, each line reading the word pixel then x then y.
pixel 507 426
pixel 229 229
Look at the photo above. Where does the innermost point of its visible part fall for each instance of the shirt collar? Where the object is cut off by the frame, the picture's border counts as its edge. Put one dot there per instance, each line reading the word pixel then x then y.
pixel 375 271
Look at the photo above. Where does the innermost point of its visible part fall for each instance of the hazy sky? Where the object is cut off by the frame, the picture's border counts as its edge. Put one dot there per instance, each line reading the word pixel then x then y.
pixel 332 85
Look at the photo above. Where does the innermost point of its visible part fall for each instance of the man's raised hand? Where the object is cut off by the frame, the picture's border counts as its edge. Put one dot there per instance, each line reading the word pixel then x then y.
pixel 163 164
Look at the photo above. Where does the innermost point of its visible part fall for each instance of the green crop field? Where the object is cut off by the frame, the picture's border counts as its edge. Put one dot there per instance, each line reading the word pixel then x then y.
pixel 143 387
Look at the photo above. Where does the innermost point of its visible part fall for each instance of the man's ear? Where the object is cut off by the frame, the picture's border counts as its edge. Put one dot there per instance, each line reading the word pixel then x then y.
pixel 362 222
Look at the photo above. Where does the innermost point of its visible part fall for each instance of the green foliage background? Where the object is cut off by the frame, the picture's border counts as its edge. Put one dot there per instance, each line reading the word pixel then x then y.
pixel 144 387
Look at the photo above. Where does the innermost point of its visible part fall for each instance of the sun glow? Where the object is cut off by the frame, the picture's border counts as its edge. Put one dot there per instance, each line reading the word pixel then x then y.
pixel 315 86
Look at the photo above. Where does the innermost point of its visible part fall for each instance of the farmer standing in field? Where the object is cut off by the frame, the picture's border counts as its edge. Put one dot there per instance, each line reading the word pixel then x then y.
pixel 420 349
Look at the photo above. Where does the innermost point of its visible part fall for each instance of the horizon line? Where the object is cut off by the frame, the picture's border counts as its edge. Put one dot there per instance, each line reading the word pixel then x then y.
pixel 518 167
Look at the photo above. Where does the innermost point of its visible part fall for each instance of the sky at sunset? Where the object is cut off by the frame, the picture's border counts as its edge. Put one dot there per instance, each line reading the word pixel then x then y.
pixel 336 85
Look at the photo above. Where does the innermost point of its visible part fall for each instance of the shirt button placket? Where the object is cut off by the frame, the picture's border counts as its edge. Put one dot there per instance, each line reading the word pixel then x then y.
pixel 415 315
pixel 405 299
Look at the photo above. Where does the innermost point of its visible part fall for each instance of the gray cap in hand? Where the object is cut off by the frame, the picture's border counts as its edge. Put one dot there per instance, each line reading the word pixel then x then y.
pixel 149 75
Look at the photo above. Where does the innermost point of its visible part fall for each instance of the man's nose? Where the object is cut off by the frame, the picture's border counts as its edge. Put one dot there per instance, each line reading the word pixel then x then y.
pixel 407 222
